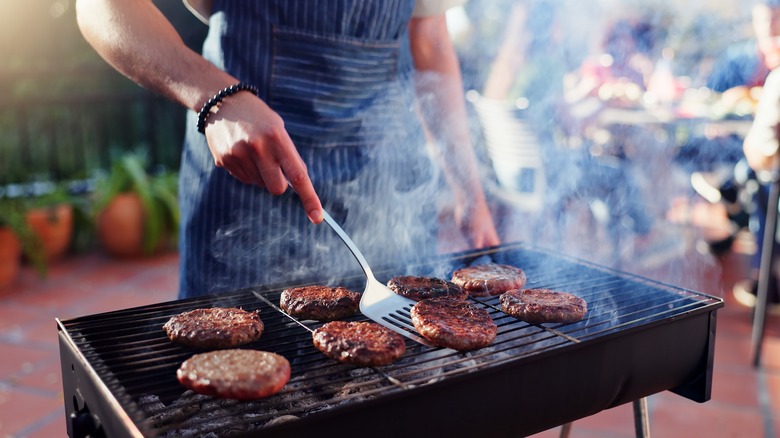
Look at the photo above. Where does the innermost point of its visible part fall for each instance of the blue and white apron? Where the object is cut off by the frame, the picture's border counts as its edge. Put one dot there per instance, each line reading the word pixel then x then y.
pixel 339 73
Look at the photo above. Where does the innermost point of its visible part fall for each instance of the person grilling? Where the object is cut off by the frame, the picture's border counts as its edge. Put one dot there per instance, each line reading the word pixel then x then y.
pixel 339 99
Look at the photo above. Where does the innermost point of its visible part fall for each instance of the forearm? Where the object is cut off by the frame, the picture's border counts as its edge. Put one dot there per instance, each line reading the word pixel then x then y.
pixel 510 57
pixel 245 136
pixel 138 41
pixel 440 94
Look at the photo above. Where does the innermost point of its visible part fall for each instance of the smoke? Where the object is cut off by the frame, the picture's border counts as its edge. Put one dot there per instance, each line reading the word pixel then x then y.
pixel 606 192
pixel 611 177
pixel 385 196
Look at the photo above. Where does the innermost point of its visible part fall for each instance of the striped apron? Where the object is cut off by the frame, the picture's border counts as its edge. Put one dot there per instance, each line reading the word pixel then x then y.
pixel 339 73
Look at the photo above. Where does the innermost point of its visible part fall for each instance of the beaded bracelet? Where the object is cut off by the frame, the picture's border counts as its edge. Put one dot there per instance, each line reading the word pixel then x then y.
pixel 225 92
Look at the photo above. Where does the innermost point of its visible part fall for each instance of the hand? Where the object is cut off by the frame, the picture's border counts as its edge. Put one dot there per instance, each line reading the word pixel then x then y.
pixel 477 224
pixel 248 139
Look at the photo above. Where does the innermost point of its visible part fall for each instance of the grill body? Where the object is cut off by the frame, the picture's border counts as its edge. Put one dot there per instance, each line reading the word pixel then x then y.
pixel 639 337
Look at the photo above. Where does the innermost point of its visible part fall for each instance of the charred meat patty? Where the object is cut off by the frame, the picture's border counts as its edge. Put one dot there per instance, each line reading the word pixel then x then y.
pixel 459 325
pixel 489 279
pixel 421 288
pixel 359 343
pixel 235 374
pixel 543 305
pixel 320 303
pixel 215 327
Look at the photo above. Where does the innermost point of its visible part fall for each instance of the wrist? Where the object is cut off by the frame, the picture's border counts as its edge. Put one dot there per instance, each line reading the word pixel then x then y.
pixel 214 102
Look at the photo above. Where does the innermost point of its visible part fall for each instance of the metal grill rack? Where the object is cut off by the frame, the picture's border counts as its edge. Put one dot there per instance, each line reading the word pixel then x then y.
pixel 639 337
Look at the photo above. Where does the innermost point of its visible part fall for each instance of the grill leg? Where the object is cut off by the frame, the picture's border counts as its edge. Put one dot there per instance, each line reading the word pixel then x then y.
pixel 641 420
pixel 565 429
pixel 765 270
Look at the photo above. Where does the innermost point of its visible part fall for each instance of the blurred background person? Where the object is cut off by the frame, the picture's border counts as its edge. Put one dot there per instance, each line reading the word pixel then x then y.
pixel 613 80
pixel 527 74
pixel 719 171
pixel 558 92
pixel 619 72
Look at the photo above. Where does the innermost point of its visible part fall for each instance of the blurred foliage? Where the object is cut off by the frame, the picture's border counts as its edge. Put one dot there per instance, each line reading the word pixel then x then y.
pixel 49 195
pixel 65 113
pixel 45 54
pixel 158 194
pixel 13 215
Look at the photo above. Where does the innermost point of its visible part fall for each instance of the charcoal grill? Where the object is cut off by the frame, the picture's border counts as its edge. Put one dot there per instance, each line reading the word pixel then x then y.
pixel 639 337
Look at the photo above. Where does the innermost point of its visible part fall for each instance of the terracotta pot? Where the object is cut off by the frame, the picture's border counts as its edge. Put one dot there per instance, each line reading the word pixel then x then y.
pixel 54 226
pixel 120 226
pixel 10 257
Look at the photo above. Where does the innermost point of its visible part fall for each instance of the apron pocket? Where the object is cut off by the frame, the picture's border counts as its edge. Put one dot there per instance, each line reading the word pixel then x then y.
pixel 333 90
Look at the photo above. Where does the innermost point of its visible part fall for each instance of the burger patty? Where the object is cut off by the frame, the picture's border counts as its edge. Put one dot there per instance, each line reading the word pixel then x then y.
pixel 235 374
pixel 459 325
pixel 320 303
pixel 489 279
pixel 421 288
pixel 359 343
pixel 543 305
pixel 215 327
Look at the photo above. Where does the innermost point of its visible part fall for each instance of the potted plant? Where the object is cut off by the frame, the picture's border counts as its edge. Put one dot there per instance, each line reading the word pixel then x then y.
pixel 17 238
pixel 51 217
pixel 137 213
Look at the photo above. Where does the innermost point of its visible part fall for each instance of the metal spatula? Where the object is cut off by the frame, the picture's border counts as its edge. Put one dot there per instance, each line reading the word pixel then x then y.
pixel 378 302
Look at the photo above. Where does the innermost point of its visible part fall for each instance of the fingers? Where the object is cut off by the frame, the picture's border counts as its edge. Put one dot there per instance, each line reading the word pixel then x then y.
pixel 479 227
pixel 300 182
pixel 486 238
pixel 272 176
pixel 291 170
pixel 276 164
pixel 249 140
pixel 240 175
pixel 241 169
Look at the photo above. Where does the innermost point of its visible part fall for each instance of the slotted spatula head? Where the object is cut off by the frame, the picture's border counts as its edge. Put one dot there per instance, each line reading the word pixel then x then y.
pixel 378 302
pixel 389 309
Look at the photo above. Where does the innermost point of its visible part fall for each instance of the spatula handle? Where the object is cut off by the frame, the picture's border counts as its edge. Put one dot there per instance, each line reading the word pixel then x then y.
pixel 350 244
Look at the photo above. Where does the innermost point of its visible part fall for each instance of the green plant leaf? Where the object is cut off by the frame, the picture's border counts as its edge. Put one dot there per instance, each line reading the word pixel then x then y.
pixel 141 184
pixel 158 196
pixel 166 194
pixel 13 215
pixel 118 182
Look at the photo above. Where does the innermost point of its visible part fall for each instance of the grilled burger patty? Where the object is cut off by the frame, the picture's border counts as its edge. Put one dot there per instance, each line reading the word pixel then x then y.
pixel 320 303
pixel 235 374
pixel 459 325
pixel 489 279
pixel 420 288
pixel 543 305
pixel 215 327
pixel 359 343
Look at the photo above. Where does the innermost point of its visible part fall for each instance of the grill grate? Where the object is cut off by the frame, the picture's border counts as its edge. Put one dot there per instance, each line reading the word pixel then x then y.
pixel 130 354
